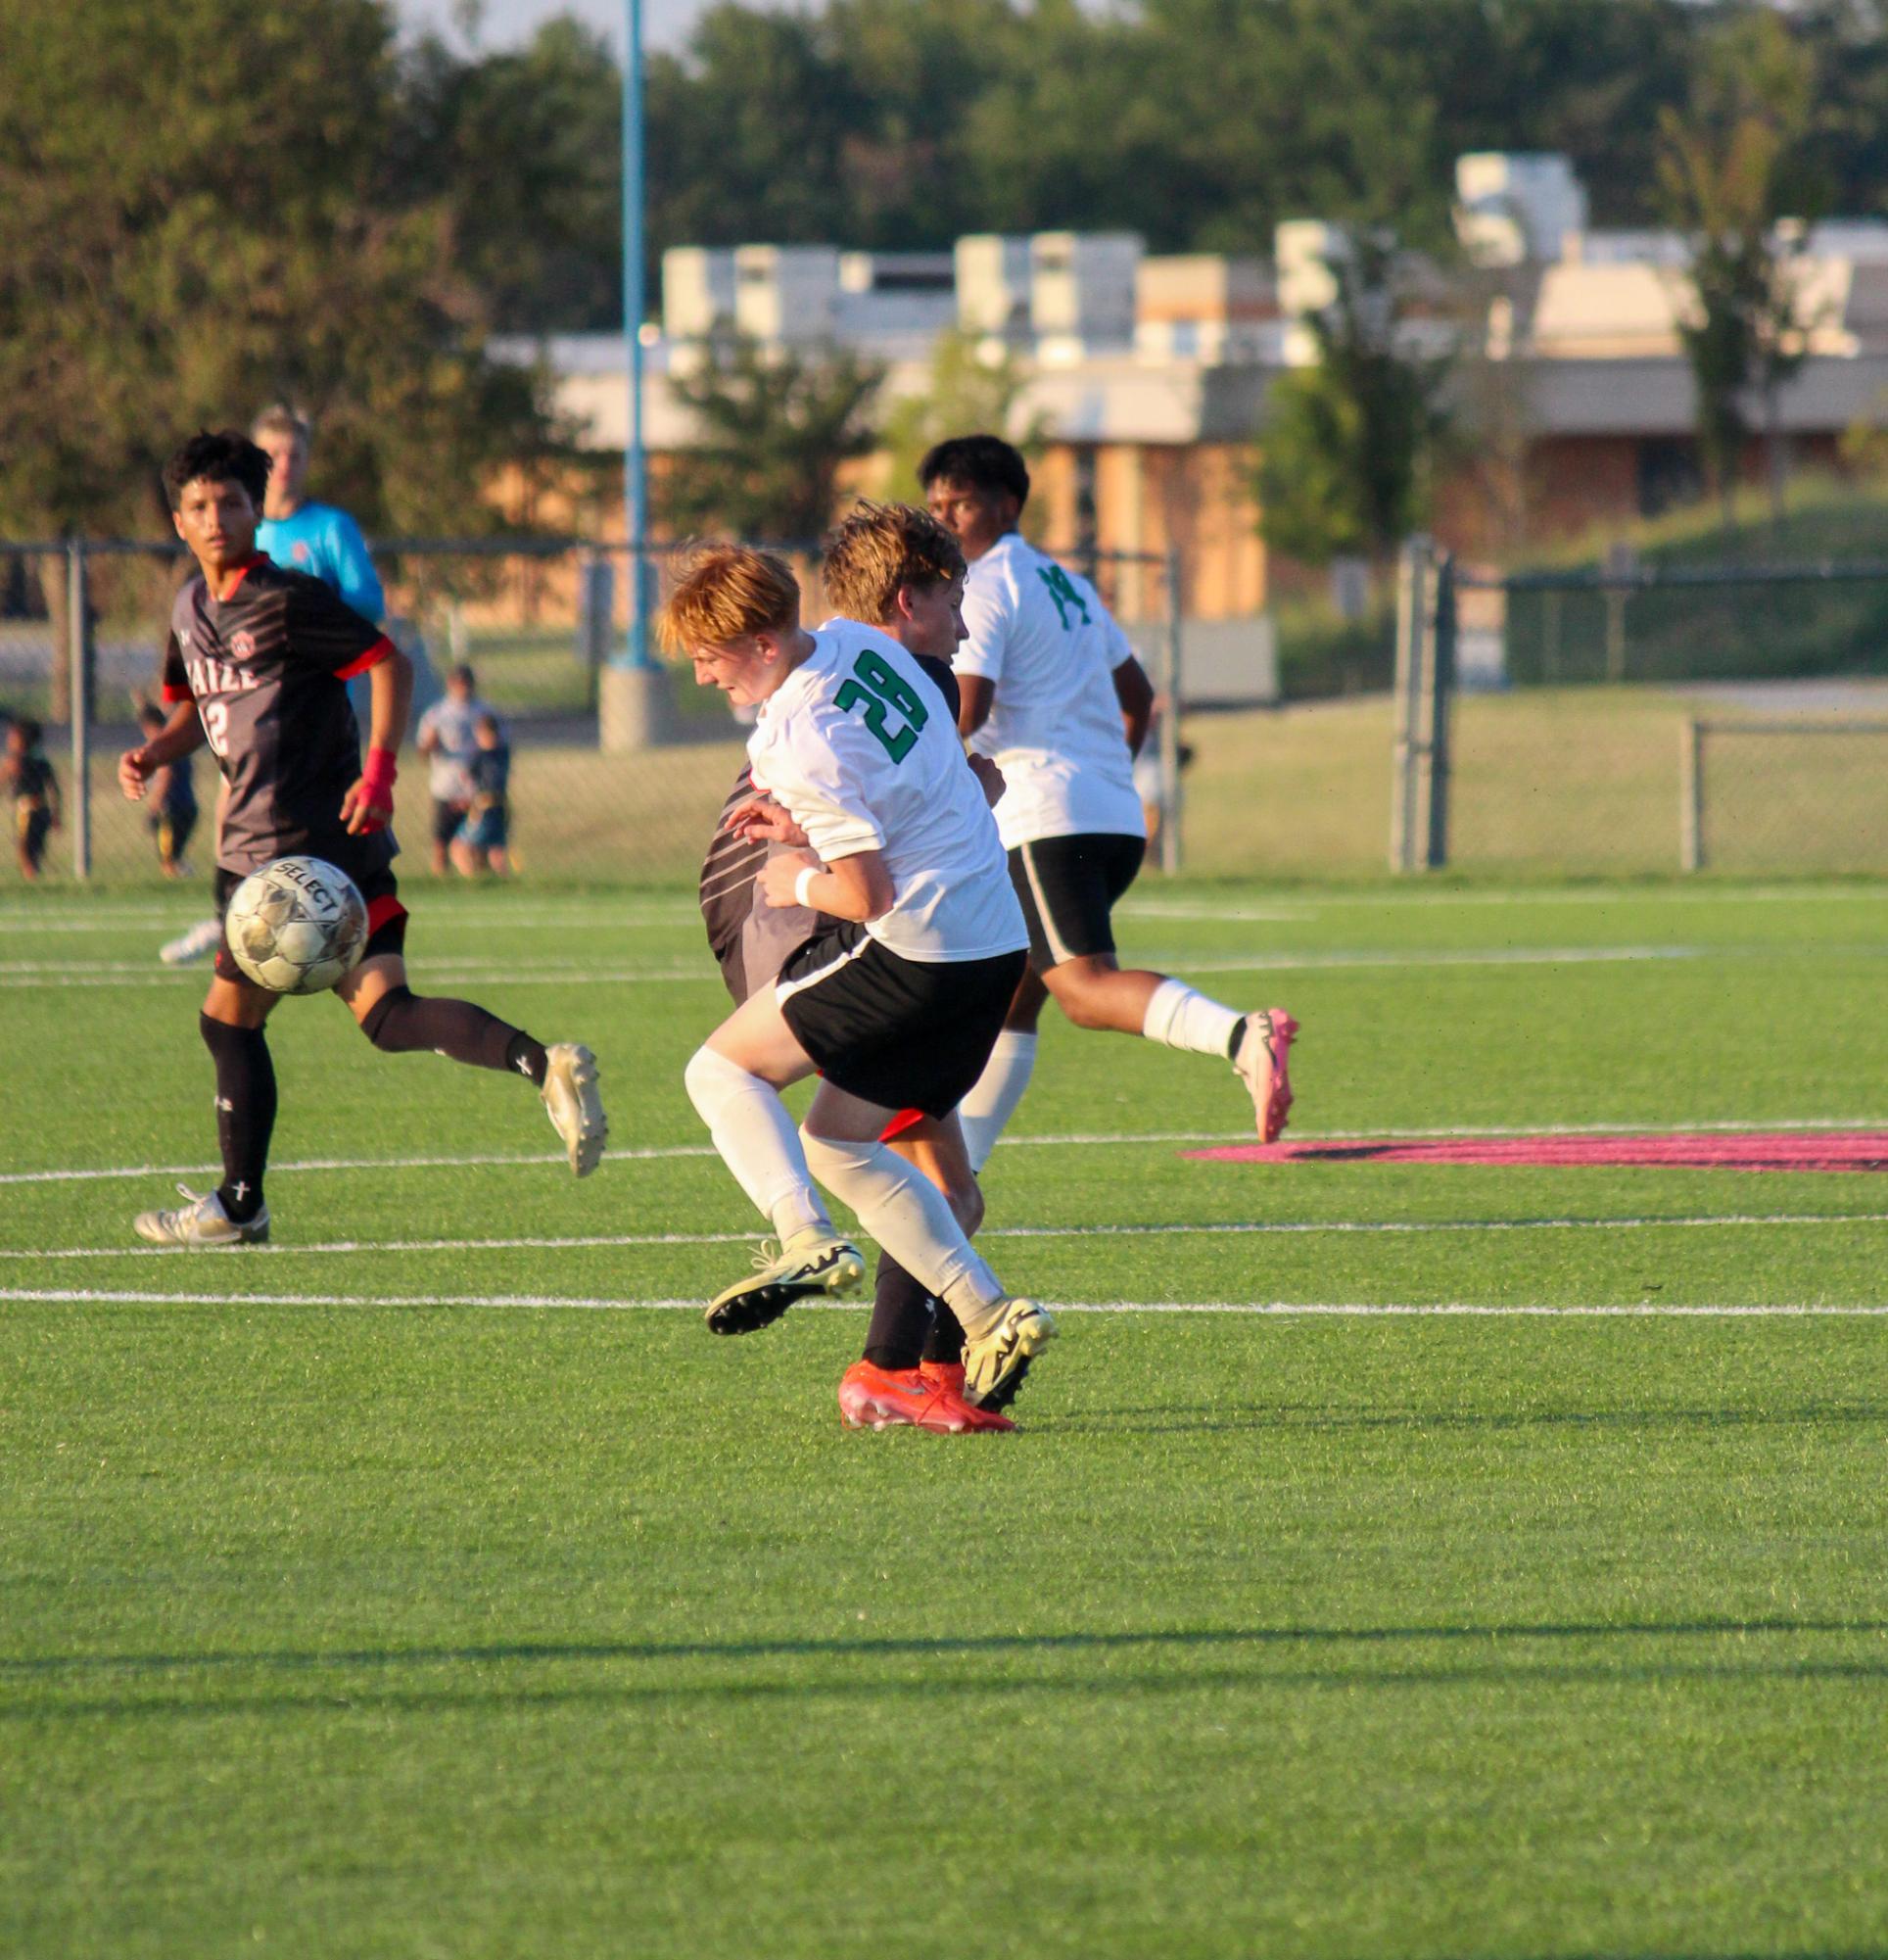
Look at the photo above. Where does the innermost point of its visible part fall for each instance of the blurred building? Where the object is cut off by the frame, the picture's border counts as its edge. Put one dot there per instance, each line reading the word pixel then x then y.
pixel 1147 376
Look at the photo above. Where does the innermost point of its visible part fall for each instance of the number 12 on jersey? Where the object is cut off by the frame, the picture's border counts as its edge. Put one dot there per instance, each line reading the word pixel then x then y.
pixel 874 689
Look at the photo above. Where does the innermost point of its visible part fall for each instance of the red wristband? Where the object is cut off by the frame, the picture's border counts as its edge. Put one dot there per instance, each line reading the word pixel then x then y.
pixel 377 776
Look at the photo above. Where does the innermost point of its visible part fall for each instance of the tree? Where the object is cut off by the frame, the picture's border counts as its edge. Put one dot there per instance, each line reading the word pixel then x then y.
pixel 198 214
pixel 774 430
pixel 1733 175
pixel 966 393
pixel 1345 466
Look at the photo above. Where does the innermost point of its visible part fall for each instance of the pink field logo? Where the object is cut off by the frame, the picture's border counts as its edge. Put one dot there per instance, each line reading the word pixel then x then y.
pixel 1703 1150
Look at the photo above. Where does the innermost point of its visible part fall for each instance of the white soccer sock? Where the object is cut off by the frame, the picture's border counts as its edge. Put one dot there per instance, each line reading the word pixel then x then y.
pixel 1179 1017
pixel 912 1220
pixel 757 1140
pixel 986 1111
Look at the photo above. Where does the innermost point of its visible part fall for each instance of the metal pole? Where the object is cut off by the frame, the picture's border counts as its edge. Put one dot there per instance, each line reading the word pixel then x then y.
pixel 635 473
pixel 1409 668
pixel 1691 814
pixel 1170 726
pixel 79 639
pixel 1439 593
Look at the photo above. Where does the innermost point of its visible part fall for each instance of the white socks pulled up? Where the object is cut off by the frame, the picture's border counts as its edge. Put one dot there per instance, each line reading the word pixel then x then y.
pixel 985 1112
pixel 757 1140
pixel 1179 1017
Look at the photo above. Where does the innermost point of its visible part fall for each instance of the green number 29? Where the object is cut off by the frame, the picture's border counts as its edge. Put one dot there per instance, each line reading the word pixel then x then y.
pixel 876 689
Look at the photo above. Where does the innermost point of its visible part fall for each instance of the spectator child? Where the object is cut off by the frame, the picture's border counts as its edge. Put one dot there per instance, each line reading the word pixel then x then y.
pixel 30 779
pixel 447 739
pixel 486 831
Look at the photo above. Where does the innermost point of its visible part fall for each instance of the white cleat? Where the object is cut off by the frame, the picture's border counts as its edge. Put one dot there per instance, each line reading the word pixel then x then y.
pixel 995 1364
pixel 811 1261
pixel 201 1223
pixel 576 1104
pixel 203 940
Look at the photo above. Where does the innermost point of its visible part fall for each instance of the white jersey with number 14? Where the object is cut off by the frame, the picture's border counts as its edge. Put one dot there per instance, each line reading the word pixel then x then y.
pixel 1042 637
pixel 858 748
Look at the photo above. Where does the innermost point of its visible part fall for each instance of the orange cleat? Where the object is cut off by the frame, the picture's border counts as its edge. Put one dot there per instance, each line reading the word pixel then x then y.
pixel 1264 1050
pixel 876 1398
pixel 943 1374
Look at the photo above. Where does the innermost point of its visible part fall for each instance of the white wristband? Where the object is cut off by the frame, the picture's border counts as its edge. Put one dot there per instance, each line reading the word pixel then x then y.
pixel 800 888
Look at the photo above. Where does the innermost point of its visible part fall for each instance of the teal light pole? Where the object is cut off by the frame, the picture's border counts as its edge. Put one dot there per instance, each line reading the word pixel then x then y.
pixel 635 471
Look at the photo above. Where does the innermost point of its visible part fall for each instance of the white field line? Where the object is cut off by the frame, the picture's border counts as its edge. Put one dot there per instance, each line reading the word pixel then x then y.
pixel 1241 1228
pixel 696 972
pixel 1077 1139
pixel 1635 1311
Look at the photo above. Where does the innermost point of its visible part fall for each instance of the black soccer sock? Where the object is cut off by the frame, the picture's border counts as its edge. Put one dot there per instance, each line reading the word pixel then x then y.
pixel 245 1112
pixel 945 1342
pixel 901 1317
pixel 401 1023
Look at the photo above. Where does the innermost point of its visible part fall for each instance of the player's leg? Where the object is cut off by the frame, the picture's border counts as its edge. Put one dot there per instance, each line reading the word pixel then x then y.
pixel 911 1218
pixel 905 1314
pixel 398 1022
pixel 232 1027
pixel 733 1079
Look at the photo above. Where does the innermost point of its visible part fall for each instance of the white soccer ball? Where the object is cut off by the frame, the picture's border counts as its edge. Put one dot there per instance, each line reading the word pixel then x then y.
pixel 297 926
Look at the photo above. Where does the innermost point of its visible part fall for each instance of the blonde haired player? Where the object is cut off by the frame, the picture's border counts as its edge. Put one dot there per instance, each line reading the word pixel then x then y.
pixel 895 1006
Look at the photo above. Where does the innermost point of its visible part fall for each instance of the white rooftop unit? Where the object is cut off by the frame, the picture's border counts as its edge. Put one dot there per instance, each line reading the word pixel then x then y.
pixel 1081 285
pixel 697 290
pixel 1517 208
pixel 887 295
pixel 993 285
pixel 1303 249
pixel 786 294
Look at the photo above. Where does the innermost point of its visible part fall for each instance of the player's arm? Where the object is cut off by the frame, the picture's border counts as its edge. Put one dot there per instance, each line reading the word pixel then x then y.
pixel 356 579
pixel 369 804
pixel 1135 693
pixel 977 697
pixel 858 886
pixel 182 735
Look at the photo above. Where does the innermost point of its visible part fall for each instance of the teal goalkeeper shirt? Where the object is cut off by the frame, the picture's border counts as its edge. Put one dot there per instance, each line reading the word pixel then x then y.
pixel 327 545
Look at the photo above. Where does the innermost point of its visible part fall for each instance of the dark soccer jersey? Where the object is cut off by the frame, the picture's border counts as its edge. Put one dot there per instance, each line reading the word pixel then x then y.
pixel 751 942
pixel 267 668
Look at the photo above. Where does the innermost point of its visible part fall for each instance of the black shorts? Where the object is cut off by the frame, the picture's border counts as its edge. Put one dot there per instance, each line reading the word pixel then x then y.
pixel 386 917
pixel 902 1034
pixel 33 825
pixel 447 819
pixel 1068 886
pixel 172 829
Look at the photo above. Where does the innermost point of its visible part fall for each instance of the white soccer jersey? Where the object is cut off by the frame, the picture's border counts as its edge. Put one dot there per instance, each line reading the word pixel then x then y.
pixel 1045 640
pixel 858 749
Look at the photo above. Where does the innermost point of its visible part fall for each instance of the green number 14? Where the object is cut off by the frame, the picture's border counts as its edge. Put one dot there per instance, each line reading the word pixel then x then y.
pixel 876 689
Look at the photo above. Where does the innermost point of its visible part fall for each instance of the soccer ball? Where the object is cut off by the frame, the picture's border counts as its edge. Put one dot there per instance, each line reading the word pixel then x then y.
pixel 297 926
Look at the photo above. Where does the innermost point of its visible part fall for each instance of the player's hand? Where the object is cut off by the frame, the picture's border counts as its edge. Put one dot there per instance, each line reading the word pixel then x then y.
pixel 763 821
pixel 777 876
pixel 364 810
pixel 133 767
pixel 989 775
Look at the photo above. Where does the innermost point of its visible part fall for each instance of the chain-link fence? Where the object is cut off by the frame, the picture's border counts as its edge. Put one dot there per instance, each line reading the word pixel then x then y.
pixel 1630 721
pixel 545 626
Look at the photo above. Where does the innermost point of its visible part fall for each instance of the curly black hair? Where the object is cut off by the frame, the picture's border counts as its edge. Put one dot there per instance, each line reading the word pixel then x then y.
pixel 228 456
pixel 983 462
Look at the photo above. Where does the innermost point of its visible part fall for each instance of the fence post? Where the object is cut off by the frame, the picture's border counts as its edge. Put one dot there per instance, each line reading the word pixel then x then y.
pixel 1170 725
pixel 1425 674
pixel 1691 814
pixel 78 655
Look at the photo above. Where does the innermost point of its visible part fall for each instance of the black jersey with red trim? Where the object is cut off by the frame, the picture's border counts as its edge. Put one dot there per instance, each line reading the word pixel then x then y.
pixel 751 942
pixel 268 666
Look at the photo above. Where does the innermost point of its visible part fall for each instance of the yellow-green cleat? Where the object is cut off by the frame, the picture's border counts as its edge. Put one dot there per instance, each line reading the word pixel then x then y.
pixel 811 1261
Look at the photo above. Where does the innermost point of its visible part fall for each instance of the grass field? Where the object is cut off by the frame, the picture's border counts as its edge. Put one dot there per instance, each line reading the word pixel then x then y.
pixel 1396 1560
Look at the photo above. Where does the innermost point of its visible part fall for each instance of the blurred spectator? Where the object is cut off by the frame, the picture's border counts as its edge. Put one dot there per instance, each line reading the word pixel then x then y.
pixel 171 793
pixel 1147 776
pixel 484 833
pixel 28 778
pixel 447 735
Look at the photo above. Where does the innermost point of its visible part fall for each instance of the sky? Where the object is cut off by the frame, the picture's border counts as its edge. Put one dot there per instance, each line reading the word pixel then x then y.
pixel 665 23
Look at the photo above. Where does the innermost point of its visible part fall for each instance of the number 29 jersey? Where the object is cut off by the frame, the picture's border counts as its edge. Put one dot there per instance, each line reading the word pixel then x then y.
pixel 857 747
pixel 267 667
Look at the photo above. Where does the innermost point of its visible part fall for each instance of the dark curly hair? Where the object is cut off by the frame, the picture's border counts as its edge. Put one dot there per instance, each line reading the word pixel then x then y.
pixel 980 462
pixel 228 456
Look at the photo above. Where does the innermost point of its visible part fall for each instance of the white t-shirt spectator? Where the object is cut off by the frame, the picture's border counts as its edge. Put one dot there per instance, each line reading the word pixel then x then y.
pixel 1042 637
pixel 450 778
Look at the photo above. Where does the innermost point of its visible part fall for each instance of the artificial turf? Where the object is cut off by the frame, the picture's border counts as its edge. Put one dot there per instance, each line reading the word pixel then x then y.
pixel 340 1625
